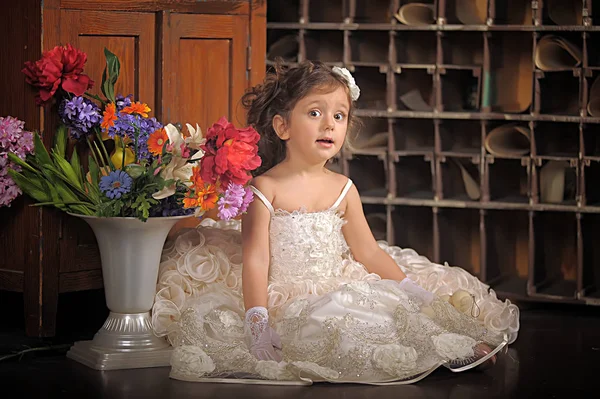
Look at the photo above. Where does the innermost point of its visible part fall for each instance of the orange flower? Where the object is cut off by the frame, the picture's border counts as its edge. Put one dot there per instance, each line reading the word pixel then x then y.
pixel 197 181
pixel 156 141
pixel 190 201
pixel 110 116
pixel 207 196
pixel 137 108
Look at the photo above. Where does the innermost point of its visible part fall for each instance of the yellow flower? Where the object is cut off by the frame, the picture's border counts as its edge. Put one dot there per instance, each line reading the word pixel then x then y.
pixel 117 157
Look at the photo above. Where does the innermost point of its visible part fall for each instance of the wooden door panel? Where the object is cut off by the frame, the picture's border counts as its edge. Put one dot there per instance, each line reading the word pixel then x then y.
pixel 204 69
pixel 131 36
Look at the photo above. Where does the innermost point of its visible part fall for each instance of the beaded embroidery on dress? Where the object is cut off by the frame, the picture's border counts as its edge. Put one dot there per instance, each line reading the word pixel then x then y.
pixel 337 322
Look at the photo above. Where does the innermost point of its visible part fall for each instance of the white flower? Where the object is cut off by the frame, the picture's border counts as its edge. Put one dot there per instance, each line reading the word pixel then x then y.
pixel 175 138
pixel 354 89
pixel 195 140
pixel 192 360
pixel 177 169
pixel 395 359
pixel 452 346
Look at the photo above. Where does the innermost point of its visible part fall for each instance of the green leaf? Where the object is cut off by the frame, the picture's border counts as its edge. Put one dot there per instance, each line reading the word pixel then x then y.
pixel 29 187
pixel 94 171
pixel 76 166
pixel 41 154
pixel 18 161
pixel 110 75
pixel 142 204
pixel 67 170
pixel 60 140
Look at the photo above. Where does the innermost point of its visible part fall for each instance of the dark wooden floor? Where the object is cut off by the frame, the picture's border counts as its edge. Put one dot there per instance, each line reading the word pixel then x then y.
pixel 557 355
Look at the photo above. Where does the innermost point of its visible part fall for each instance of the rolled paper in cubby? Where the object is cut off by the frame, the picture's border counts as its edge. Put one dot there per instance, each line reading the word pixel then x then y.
pixel 554 53
pixel 471 12
pixel 416 14
pixel 565 12
pixel 552 181
pixel 593 106
pixel 508 140
pixel 415 102
pixel 378 224
pixel 471 185
pixel 285 47
pixel 376 140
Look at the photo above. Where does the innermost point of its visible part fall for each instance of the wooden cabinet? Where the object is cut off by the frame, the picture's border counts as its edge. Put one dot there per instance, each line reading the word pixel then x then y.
pixel 190 61
pixel 438 79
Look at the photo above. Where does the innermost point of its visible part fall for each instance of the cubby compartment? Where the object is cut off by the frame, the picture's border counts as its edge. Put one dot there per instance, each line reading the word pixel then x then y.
pixel 413 228
pixel 558 93
pixel 507 251
pixel 280 11
pixel 461 245
pixel 513 12
pixel 591 88
pixel 562 13
pixel 284 44
pixel 508 179
pixel 591 140
pixel 372 12
pixel 590 276
pixel 373 88
pixel 414 89
pixel 373 135
pixel 557 139
pixel 460 178
pixel 413 136
pixel 327 11
pixel 376 215
pixel 324 45
pixel 414 177
pixel 369 47
pixel 462 48
pixel 461 88
pixel 509 86
pixel 555 254
pixel 557 180
pixel 465 12
pixel 415 47
pixel 460 137
pixel 368 172
pixel 591 173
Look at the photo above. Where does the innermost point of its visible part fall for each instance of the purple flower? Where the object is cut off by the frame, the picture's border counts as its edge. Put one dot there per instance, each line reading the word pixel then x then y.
pixel 116 184
pixel 80 114
pixel 128 125
pixel 248 198
pixel 229 204
pixel 13 139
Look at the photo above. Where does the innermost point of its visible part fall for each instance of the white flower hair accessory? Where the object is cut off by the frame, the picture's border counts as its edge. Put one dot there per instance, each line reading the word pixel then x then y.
pixel 354 90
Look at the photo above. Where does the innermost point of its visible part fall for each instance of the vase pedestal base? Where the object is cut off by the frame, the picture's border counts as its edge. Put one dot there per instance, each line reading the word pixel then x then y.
pixel 85 353
pixel 125 341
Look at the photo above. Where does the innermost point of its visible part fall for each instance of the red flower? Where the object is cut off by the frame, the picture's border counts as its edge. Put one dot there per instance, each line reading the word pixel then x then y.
pixel 230 154
pixel 60 67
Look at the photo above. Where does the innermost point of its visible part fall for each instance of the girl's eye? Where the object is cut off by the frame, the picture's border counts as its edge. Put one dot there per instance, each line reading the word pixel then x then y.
pixel 315 113
pixel 339 116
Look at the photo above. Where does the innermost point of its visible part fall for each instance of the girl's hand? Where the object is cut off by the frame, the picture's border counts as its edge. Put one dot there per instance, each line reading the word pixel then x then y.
pixel 263 339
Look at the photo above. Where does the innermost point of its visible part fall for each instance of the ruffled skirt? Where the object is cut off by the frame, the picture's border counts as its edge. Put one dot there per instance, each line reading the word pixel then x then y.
pixel 352 328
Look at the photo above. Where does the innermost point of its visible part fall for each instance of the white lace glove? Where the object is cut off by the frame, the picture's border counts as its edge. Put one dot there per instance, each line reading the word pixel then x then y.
pixel 264 341
pixel 413 288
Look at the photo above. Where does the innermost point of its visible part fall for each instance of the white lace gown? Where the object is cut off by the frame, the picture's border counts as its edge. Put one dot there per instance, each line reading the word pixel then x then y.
pixel 337 322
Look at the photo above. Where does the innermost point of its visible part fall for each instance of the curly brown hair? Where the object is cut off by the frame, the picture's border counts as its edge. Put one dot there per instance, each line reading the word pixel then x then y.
pixel 278 94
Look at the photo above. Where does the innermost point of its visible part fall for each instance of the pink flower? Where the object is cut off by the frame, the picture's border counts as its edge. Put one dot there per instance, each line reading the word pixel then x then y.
pixel 230 203
pixel 13 139
pixel 248 197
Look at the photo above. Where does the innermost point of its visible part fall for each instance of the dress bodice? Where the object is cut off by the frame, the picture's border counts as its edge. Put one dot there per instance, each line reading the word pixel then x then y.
pixel 306 245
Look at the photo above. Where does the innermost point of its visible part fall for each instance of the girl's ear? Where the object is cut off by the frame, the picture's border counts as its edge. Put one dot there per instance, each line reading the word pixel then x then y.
pixel 280 127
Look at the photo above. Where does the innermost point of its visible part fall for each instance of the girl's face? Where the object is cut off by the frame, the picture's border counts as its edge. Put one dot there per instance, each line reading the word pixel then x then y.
pixel 317 126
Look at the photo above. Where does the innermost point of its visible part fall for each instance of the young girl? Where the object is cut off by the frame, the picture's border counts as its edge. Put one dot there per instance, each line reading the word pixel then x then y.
pixel 317 298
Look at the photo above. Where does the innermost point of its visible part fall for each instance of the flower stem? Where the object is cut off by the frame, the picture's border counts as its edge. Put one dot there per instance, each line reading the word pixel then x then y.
pixel 95 97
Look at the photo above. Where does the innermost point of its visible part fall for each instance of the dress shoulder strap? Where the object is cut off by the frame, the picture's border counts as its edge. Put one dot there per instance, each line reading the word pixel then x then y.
pixel 263 199
pixel 343 194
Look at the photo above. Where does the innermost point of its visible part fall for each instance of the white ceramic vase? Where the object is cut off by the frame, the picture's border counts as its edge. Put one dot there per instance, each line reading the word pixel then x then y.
pixel 130 253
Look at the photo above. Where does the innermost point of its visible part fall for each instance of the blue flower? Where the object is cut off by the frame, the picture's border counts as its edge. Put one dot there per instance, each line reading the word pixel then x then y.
pixel 80 114
pixel 116 184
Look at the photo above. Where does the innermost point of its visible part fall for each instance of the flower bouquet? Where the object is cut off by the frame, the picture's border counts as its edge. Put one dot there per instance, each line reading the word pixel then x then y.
pixel 135 166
